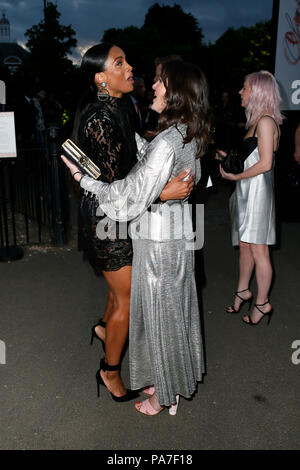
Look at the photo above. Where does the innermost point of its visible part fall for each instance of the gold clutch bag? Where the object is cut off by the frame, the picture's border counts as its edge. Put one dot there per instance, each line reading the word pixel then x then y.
pixel 77 156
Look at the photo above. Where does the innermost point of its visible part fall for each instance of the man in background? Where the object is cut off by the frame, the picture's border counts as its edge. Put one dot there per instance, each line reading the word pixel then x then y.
pixel 137 98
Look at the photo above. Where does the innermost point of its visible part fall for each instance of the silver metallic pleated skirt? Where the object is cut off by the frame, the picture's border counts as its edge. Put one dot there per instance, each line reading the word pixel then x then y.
pixel 165 343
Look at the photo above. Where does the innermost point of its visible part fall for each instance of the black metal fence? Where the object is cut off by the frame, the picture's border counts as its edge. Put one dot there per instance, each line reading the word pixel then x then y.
pixel 33 198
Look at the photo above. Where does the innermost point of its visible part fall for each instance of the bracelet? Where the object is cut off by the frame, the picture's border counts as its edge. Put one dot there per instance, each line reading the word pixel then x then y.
pixel 76 172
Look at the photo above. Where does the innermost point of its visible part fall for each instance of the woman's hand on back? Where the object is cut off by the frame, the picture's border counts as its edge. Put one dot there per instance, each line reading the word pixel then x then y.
pixel 177 188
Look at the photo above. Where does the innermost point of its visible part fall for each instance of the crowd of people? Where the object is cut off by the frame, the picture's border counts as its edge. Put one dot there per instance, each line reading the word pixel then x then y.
pixel 149 147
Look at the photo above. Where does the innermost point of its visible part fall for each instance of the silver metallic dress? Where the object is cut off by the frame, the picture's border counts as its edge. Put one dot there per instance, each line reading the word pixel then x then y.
pixel 165 343
pixel 252 205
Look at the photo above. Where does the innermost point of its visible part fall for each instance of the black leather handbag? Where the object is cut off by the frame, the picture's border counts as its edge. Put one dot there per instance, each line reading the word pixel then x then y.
pixel 233 162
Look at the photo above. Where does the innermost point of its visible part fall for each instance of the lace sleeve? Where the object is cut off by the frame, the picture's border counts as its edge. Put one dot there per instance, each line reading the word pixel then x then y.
pixel 105 141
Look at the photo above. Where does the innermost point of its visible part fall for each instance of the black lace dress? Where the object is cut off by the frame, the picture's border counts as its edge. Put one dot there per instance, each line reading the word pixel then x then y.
pixel 107 136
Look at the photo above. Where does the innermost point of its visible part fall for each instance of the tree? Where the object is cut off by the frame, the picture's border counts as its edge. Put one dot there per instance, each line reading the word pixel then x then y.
pixel 173 26
pixel 169 30
pixel 258 56
pixel 239 52
pixel 166 30
pixel 49 43
pixel 132 40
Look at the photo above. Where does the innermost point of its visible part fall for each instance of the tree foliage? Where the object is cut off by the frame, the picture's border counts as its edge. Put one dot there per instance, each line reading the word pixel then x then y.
pixel 169 30
pixel 166 30
pixel 241 51
pixel 173 26
pixel 49 43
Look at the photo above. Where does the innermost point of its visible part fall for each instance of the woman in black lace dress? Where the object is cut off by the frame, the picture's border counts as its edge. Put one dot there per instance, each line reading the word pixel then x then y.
pixel 102 129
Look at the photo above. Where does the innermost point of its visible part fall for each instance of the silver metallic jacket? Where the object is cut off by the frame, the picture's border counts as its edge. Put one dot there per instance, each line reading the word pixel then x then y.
pixel 129 199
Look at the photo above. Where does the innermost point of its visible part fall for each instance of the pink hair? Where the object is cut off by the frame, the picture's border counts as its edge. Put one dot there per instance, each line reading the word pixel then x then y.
pixel 264 97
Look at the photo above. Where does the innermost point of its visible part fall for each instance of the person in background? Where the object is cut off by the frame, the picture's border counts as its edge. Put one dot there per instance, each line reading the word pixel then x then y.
pixel 52 111
pixel 149 123
pixel 25 118
pixel 38 102
pixel 223 119
pixel 137 97
pixel 253 202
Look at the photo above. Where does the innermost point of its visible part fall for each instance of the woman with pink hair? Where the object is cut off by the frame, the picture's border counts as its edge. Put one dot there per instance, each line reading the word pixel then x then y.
pixel 253 202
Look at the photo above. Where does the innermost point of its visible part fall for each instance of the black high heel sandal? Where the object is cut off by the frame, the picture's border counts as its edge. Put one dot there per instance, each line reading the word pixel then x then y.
pixel 129 395
pixel 244 301
pixel 270 313
pixel 94 334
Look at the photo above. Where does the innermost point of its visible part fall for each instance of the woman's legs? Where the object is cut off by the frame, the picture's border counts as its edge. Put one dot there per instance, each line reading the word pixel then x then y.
pixel 109 306
pixel 116 331
pixel 100 330
pixel 246 265
pixel 263 273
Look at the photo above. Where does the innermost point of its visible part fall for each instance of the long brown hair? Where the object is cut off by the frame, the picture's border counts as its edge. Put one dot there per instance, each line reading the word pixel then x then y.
pixel 186 102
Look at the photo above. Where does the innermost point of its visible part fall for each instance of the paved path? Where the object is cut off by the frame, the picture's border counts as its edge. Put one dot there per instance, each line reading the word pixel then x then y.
pixel 249 398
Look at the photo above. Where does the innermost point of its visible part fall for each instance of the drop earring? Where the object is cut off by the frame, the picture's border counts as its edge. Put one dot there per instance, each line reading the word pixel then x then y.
pixel 102 93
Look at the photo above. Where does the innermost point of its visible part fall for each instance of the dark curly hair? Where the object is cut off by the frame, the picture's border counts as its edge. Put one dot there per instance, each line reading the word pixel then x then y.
pixel 186 102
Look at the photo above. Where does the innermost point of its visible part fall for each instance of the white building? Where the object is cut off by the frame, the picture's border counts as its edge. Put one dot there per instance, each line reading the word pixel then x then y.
pixel 4 29
pixel 11 54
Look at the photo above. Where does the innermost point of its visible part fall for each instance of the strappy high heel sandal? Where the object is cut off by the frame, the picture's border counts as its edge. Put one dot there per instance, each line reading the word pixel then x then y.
pixel 147 409
pixel 269 313
pixel 149 390
pixel 94 334
pixel 244 301
pixel 129 395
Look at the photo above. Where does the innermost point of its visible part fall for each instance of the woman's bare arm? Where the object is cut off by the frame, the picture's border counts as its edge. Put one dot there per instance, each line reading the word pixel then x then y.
pixel 266 133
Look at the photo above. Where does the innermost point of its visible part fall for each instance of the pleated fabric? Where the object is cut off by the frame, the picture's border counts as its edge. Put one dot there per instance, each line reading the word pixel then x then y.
pixel 165 343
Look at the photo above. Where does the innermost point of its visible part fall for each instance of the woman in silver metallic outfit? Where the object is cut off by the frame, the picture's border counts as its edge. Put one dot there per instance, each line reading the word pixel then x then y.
pixel 165 343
